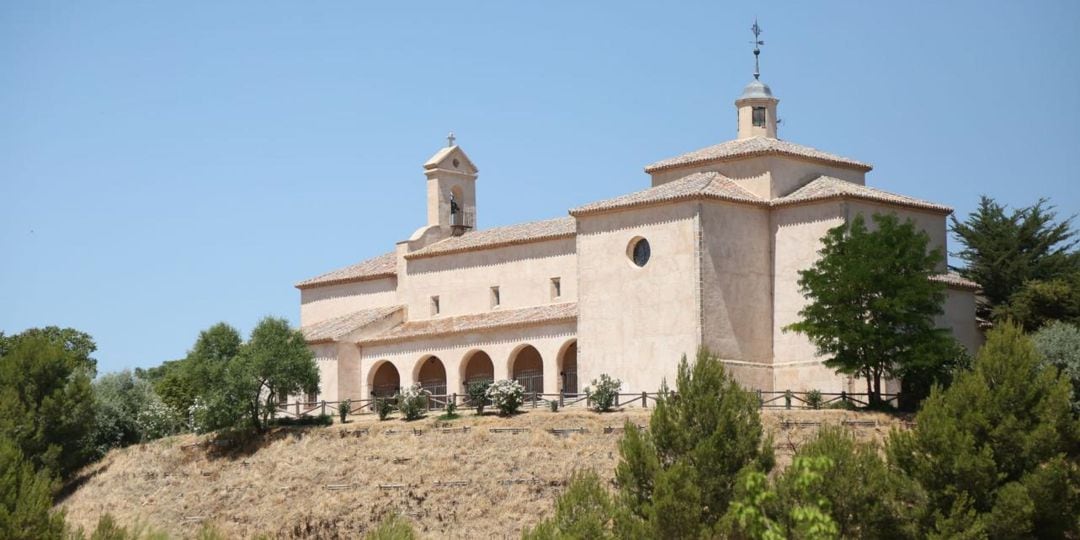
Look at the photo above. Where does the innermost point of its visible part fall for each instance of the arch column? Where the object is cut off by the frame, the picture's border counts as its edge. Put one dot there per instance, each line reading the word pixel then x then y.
pixel 452 362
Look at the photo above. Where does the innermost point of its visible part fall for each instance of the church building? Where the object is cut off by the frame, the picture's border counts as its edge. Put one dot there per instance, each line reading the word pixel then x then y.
pixel 708 254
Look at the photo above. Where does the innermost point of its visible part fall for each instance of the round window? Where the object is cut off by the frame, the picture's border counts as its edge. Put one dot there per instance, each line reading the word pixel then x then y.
pixel 640 251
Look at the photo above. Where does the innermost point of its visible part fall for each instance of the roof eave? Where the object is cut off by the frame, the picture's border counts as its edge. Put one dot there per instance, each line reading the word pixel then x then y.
pixel 494 245
pixel 519 324
pixel 316 284
pixel 859 166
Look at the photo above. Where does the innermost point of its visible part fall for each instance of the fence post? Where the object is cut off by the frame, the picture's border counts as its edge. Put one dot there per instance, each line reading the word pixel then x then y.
pixel 787 399
pixel 298 408
pixel 454 399
pixel 760 401
pixel 534 399
pixel 843 397
pixel 562 399
pixel 324 407
pixel 644 402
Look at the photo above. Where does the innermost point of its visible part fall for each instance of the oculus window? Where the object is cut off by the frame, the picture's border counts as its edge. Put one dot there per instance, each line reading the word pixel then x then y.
pixel 639 251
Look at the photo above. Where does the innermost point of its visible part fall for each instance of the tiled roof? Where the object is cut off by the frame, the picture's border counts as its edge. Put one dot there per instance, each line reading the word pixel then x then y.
pixel 500 236
pixel 332 329
pixel 754 146
pixel 698 185
pixel 384 265
pixel 476 322
pixel 956 281
pixel 827 187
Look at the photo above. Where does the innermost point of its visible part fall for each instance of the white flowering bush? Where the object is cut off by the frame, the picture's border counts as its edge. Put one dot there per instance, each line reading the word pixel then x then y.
pixel 603 392
pixel 412 402
pixel 506 396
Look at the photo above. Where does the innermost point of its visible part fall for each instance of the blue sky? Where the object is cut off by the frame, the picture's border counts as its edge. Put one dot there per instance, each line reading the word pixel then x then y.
pixel 164 166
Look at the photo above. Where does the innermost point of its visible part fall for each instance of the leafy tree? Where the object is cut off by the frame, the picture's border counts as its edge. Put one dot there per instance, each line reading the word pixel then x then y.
pixel 273 364
pixel 26 498
pixel 997 452
pixel 46 403
pixel 1059 344
pixel 865 498
pixel 872 305
pixel 181 383
pixel 584 510
pixel 1002 251
pixel 128 411
pixel 678 478
pixel 1039 302
pixel 806 514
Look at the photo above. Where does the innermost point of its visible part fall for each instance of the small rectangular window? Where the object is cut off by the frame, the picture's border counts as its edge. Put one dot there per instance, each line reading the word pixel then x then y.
pixel 556 288
pixel 434 305
pixel 495 297
pixel 759 116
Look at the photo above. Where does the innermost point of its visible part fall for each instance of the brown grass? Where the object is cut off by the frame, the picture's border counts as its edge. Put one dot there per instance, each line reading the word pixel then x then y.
pixel 336 483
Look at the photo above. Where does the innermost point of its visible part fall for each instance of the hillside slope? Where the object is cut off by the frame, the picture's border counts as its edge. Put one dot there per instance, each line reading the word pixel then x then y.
pixel 336 482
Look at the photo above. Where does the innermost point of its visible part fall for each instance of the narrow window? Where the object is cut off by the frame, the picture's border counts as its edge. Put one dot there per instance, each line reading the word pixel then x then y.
pixel 434 305
pixel 556 288
pixel 759 116
pixel 494 297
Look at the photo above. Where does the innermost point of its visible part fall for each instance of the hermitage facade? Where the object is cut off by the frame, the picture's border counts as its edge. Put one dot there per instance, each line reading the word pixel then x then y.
pixel 708 254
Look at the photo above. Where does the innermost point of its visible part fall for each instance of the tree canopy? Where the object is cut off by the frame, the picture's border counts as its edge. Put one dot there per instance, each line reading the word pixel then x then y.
pixel 46 403
pixel 871 304
pixel 997 452
pixel 1023 260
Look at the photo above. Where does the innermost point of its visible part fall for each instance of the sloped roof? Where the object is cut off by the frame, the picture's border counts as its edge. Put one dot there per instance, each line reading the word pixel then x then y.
pixel 754 146
pixel 337 327
pixel 710 185
pixel 532 231
pixel 384 265
pixel 827 187
pixel 476 322
pixel 956 281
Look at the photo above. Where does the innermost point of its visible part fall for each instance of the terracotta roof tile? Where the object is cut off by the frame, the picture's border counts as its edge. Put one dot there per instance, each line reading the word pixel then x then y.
pixel 384 265
pixel 500 236
pixel 754 146
pixel 332 329
pixel 711 185
pixel 956 281
pixel 476 322
pixel 826 187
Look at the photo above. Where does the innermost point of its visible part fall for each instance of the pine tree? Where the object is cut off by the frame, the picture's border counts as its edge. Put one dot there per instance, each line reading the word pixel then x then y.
pixel 999 450
pixel 26 498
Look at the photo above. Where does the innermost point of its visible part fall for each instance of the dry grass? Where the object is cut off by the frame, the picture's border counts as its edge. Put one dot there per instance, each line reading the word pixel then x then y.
pixel 336 483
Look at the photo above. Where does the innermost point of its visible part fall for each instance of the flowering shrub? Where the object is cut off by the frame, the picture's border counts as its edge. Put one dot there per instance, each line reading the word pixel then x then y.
pixel 412 402
pixel 603 392
pixel 506 395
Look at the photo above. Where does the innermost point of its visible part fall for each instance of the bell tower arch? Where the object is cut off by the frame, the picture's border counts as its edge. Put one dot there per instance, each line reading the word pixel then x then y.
pixel 451 190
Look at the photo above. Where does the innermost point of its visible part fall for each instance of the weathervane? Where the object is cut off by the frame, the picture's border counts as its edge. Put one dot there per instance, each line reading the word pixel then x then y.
pixel 757 47
pixel 450 139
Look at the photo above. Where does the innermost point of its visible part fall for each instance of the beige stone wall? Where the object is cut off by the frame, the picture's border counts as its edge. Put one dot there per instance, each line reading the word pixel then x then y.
pixel 797 233
pixel 737 288
pixel 463 281
pixel 767 177
pixel 959 316
pixel 501 346
pixel 635 323
pixel 326 358
pixel 933 223
pixel 321 303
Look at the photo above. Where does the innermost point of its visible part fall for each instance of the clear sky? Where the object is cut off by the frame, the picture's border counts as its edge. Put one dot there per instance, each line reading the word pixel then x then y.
pixel 164 166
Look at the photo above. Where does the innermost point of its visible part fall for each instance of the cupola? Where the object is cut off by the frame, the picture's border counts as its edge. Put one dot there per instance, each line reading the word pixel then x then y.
pixel 757 105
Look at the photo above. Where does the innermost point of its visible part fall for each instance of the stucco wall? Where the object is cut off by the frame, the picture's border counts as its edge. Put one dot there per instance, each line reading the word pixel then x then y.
pixel 636 322
pixel 326 358
pixel 767 177
pixel 959 316
pixel 463 281
pixel 501 345
pixel 321 303
pixel 737 289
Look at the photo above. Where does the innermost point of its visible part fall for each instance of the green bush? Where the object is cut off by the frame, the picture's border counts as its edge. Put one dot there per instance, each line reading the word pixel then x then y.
pixel 506 396
pixel 383 408
pixel 127 410
pixel 412 402
pixel 343 410
pixel 477 392
pixel 814 399
pixel 584 510
pixel 392 527
pixel 1059 344
pixel 603 392
pixel 319 420
pixel 554 405
pixel 26 498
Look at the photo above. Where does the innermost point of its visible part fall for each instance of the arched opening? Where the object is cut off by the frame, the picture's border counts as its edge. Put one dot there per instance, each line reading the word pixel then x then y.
pixel 431 374
pixel 385 381
pixel 568 369
pixel 477 367
pixel 528 369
